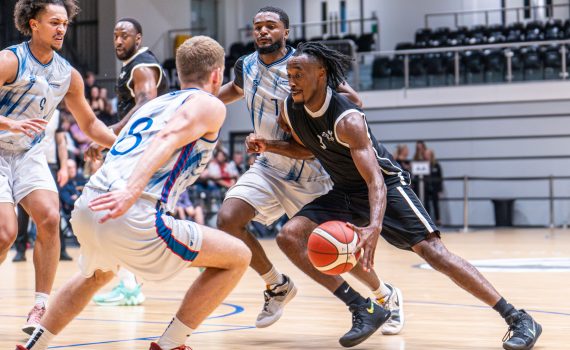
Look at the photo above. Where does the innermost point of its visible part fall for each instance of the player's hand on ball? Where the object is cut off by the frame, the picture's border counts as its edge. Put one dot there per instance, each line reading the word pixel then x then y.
pixel 255 143
pixel 368 240
pixel 117 202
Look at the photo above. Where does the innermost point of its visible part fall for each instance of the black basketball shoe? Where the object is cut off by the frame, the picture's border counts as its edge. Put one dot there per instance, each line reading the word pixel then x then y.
pixel 366 319
pixel 523 331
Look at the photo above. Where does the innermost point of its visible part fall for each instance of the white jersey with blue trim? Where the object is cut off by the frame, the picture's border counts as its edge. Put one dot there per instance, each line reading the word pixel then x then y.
pixel 265 87
pixel 179 172
pixel 35 93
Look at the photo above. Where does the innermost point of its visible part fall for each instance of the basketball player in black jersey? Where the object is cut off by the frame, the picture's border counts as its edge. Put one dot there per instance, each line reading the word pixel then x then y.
pixel 370 189
pixel 141 79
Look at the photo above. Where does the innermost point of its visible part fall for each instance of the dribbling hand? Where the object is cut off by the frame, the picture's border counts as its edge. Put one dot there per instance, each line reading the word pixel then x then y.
pixel 368 240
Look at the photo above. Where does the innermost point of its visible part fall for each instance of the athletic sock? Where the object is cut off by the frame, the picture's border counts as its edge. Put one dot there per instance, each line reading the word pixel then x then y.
pixel 40 339
pixel 128 278
pixel 504 308
pixel 41 299
pixel 175 335
pixel 382 293
pixel 348 295
pixel 273 277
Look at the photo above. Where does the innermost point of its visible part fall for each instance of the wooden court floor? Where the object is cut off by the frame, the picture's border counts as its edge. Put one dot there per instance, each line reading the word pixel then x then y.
pixel 439 315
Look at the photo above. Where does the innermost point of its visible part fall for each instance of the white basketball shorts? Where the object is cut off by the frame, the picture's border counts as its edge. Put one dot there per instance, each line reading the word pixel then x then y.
pixel 272 196
pixel 151 244
pixel 21 173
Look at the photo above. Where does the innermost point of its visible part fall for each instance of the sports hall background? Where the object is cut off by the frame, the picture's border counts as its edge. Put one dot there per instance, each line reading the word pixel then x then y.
pixel 495 114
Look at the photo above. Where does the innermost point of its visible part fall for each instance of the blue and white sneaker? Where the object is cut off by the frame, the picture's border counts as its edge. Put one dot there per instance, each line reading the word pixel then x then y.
pixel 121 296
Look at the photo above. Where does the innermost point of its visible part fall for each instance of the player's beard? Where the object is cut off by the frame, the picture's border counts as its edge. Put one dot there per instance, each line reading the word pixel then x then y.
pixel 127 53
pixel 269 49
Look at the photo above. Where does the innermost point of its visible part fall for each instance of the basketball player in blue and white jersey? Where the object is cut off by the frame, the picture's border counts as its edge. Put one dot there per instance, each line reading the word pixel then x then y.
pixel 33 81
pixel 275 184
pixel 121 217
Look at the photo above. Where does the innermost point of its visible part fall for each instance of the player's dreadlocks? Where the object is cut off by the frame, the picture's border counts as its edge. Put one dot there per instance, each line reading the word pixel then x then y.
pixel 334 62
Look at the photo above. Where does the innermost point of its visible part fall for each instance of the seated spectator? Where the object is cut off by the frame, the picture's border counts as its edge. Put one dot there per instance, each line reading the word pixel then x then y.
pixel 238 162
pixel 220 171
pixel 185 209
pixel 69 193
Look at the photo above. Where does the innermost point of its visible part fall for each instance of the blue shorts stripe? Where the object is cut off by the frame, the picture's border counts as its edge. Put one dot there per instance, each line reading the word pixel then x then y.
pixel 177 247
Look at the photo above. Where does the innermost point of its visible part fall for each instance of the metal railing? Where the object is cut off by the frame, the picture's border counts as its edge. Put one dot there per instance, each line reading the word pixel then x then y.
pixel 549 9
pixel 457 49
pixel 333 28
pixel 466 198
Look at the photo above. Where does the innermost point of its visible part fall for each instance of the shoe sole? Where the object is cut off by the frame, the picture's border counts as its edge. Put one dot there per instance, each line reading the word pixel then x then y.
pixel 278 315
pixel 395 331
pixel 531 345
pixel 354 342
pixel 29 329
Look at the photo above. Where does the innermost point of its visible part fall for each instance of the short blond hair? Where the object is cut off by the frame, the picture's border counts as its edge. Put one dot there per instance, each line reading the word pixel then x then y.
pixel 197 57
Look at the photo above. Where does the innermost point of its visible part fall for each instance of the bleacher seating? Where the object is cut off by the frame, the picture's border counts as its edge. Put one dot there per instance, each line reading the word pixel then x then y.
pixel 476 66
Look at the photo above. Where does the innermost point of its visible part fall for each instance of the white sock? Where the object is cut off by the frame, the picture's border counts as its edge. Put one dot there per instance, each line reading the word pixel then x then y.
pixel 40 339
pixel 128 278
pixel 273 277
pixel 382 292
pixel 41 299
pixel 175 335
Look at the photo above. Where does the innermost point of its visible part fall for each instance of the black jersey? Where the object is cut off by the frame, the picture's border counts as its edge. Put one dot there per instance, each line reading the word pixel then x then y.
pixel 124 88
pixel 317 131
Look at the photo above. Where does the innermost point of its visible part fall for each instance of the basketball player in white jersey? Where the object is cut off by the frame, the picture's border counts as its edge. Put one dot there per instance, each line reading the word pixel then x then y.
pixel 275 184
pixel 121 217
pixel 33 81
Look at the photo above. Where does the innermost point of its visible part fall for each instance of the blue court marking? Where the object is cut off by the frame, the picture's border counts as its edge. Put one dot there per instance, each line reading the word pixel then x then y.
pixel 236 328
pixel 237 309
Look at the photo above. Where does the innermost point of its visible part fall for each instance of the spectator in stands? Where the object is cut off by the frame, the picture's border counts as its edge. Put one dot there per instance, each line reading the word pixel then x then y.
pixel 238 162
pixel 419 155
pixel 250 160
pixel 185 209
pixel 420 150
pixel 433 186
pixel 402 156
pixel 95 100
pixel 89 82
pixel 220 171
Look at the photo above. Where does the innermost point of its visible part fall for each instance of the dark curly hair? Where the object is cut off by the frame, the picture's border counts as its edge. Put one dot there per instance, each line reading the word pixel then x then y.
pixel 25 10
pixel 334 62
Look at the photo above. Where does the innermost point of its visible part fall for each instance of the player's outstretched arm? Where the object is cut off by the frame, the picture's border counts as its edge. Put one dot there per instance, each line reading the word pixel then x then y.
pixel 230 92
pixel 233 90
pixel 83 114
pixel 348 91
pixel 353 131
pixel 292 148
pixel 200 116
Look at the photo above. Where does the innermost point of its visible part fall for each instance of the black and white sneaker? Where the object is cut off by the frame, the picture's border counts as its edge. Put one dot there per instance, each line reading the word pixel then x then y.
pixel 366 319
pixel 523 331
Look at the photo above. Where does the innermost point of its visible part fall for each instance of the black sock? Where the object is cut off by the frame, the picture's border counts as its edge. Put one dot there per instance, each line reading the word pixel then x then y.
pixel 348 295
pixel 504 308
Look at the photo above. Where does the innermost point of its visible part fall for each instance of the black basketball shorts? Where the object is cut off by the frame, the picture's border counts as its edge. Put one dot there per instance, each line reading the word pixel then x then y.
pixel 406 222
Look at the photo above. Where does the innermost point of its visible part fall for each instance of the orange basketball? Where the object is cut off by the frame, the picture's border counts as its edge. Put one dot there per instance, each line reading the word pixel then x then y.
pixel 332 246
